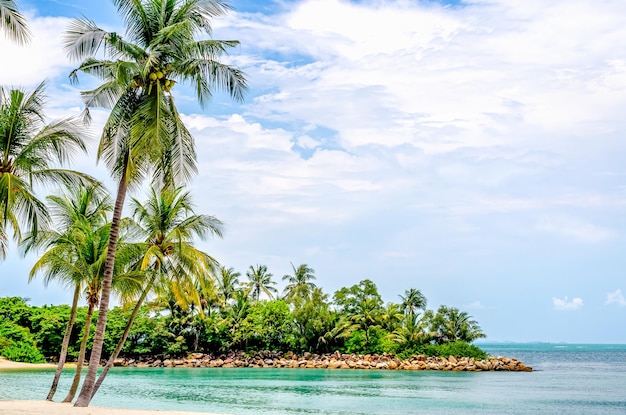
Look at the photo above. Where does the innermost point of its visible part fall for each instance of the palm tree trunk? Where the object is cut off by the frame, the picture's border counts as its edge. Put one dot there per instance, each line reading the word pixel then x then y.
pixel 65 344
pixel 81 356
pixel 86 393
pixel 121 342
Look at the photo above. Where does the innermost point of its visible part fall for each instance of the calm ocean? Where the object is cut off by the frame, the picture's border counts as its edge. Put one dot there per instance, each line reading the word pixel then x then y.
pixel 568 380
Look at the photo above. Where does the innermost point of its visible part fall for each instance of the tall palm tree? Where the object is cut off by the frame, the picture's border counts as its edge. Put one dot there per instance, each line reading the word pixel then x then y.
pixel 13 23
pixel 227 282
pixel 260 281
pixel 28 149
pixel 168 226
pixel 126 283
pixel 75 253
pixel 413 300
pixel 300 282
pixel 144 133
pixel 69 257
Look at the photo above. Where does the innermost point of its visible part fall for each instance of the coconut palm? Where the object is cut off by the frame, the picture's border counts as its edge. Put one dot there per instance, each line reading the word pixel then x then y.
pixel 168 226
pixel 300 282
pixel 260 281
pixel 144 133
pixel 13 23
pixel 451 324
pixel 69 258
pixel 28 149
pixel 227 282
pixel 75 253
pixel 391 317
pixel 126 283
pixel 414 332
pixel 413 300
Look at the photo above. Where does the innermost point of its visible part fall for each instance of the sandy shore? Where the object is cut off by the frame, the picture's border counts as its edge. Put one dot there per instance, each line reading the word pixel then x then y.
pixel 7 364
pixel 43 407
pixel 53 408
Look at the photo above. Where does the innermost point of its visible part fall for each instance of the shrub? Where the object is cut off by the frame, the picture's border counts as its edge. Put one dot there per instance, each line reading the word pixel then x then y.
pixel 456 349
pixel 17 344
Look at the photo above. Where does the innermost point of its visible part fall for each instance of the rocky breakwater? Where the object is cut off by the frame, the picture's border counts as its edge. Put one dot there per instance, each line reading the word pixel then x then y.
pixel 335 360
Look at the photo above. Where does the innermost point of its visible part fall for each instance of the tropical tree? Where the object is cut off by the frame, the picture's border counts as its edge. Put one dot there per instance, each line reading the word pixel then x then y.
pixel 362 305
pixel 412 301
pixel 13 23
pixel 144 132
pixel 391 317
pixel 300 282
pixel 29 146
pixel 312 319
pixel 450 324
pixel 413 333
pixel 168 225
pixel 260 281
pixel 69 258
pixel 227 283
pixel 75 254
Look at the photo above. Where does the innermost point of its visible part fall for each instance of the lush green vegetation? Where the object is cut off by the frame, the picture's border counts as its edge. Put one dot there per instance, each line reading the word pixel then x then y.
pixel 354 321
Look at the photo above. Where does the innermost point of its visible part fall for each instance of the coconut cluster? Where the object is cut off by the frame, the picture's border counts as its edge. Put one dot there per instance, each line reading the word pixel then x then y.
pixel 154 77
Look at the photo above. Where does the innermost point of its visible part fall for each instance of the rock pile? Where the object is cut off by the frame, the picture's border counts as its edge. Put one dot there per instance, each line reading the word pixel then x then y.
pixel 335 360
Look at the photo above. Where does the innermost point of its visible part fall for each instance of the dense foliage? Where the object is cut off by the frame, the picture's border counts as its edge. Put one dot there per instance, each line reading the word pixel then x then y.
pixel 355 321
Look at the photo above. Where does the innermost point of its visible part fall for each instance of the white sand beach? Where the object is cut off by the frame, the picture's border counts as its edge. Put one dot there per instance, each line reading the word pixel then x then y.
pixel 43 407
pixel 7 364
pixel 52 408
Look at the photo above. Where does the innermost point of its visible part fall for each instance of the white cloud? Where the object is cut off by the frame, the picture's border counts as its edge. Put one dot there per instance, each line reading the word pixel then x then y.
pixel 565 304
pixel 43 58
pixel 616 297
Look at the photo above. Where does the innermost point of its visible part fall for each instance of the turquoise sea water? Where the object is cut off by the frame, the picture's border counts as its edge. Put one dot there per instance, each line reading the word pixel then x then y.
pixel 568 379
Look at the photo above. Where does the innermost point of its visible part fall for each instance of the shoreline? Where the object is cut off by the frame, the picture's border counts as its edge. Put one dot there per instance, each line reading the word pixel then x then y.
pixel 335 361
pixel 6 364
pixel 42 407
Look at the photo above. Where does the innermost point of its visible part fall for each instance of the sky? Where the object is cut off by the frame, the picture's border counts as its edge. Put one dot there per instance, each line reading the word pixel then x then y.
pixel 471 149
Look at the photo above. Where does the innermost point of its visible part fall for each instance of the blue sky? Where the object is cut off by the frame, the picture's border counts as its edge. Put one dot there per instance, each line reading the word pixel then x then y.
pixel 474 150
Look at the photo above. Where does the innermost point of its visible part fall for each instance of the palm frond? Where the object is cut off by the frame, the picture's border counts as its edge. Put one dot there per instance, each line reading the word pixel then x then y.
pixel 83 38
pixel 13 23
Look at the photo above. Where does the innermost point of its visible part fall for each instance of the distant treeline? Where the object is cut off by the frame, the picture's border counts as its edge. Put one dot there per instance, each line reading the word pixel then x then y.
pixel 355 320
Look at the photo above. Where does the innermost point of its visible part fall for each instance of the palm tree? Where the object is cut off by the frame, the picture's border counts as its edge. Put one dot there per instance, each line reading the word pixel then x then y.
pixel 300 282
pixel 75 254
pixel 12 21
pixel 260 281
pixel 168 226
pixel 366 315
pixel 414 332
pixel 126 283
pixel 28 148
pixel 70 255
pixel 227 282
pixel 451 325
pixel 412 301
pixel 391 317
pixel 144 133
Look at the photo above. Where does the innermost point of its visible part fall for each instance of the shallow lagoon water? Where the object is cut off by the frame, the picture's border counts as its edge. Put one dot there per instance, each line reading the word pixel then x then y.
pixel 568 379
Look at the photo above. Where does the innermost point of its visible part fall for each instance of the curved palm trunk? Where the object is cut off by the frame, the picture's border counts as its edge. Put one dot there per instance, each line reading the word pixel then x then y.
pixel 81 356
pixel 65 344
pixel 86 393
pixel 121 342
